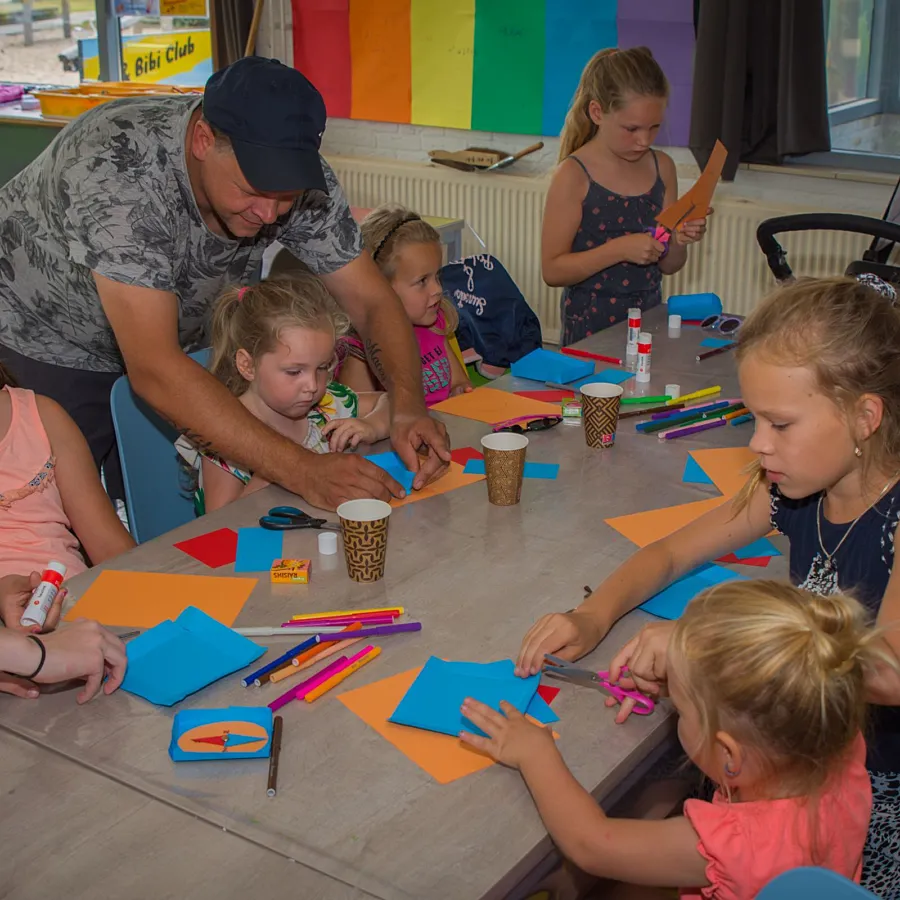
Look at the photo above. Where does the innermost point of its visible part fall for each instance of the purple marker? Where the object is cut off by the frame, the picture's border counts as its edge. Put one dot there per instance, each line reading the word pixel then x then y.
pixel 683 432
pixel 371 632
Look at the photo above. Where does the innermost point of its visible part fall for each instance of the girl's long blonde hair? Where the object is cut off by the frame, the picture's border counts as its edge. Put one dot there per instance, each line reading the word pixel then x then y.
pixel 779 669
pixel 252 319
pixel 390 227
pixel 848 335
pixel 607 80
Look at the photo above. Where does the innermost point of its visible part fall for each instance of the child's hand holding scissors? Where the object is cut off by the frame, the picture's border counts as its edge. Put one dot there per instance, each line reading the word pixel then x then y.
pixel 645 657
pixel 511 739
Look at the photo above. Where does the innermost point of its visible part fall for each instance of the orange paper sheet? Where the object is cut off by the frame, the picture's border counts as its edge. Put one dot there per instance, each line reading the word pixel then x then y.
pixel 455 478
pixel 144 599
pixel 644 528
pixel 493 406
pixel 726 467
pixel 695 203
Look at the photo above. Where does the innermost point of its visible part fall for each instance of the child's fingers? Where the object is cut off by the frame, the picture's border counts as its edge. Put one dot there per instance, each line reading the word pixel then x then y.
pixel 328 427
pixel 625 710
pixel 477 741
pixel 487 719
pixel 55 611
pixel 510 711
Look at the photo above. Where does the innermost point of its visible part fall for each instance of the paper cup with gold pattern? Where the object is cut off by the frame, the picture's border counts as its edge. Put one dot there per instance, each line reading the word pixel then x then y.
pixel 504 463
pixel 364 525
pixel 600 413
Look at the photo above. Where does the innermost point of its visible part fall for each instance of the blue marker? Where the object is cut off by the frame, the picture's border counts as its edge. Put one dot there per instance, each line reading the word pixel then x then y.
pixel 255 677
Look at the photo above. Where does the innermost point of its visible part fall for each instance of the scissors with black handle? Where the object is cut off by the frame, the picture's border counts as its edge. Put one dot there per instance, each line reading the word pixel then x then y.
pixel 287 518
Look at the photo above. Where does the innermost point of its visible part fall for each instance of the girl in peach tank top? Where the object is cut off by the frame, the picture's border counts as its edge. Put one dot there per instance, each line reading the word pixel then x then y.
pixel 52 504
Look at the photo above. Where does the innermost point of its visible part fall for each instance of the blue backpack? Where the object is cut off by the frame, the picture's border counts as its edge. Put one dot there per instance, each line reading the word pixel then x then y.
pixel 494 318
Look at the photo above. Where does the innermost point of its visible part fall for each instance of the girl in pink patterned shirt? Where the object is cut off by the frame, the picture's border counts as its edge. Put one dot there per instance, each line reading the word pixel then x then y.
pixel 767 681
pixel 408 251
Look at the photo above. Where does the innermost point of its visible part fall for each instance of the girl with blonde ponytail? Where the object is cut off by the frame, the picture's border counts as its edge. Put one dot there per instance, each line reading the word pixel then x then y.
pixel 598 240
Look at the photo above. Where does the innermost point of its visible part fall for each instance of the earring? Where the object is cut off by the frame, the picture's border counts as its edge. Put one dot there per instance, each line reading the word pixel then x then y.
pixel 731 773
pixel 857 451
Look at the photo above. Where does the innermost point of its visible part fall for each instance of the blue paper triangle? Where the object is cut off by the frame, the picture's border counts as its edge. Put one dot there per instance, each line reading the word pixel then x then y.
pixel 761 547
pixel 693 474
pixel 607 376
pixel 394 466
pixel 670 602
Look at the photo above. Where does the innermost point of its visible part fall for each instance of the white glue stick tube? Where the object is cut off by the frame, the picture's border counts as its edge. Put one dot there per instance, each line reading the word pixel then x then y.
pixel 634 329
pixel 43 596
pixel 645 345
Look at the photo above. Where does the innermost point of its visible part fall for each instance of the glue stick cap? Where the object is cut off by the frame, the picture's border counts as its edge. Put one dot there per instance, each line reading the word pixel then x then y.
pixel 673 390
pixel 57 567
pixel 327 543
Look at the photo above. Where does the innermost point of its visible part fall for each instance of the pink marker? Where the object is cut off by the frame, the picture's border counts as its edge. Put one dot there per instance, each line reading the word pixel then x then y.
pixel 304 687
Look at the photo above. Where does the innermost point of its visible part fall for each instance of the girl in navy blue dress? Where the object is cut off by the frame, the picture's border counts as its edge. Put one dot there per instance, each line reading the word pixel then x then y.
pixel 599 217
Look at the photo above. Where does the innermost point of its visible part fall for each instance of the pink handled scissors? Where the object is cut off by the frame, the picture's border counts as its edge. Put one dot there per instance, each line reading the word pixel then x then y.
pixel 565 671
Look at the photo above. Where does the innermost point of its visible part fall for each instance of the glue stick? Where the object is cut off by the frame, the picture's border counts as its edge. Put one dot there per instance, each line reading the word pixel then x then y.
pixel 644 346
pixel 634 329
pixel 43 596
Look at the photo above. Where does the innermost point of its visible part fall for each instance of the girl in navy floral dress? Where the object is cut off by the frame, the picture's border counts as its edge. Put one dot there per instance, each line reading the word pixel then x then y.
pixel 600 213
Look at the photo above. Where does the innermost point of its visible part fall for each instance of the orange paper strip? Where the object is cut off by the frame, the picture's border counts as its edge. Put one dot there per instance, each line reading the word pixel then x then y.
pixel 493 406
pixel 144 599
pixel 454 478
pixel 644 528
pixel 695 203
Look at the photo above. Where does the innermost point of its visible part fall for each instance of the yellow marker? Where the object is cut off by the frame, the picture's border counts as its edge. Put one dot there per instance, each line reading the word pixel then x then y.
pixel 696 395
pixel 350 612
pixel 338 677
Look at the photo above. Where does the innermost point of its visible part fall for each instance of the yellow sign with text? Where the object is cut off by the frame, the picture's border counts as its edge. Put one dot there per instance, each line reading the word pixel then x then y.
pixel 179 57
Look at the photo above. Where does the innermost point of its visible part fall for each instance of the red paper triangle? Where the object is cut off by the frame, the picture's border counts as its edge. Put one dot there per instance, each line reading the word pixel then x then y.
pixel 761 561
pixel 463 454
pixel 547 693
pixel 217 548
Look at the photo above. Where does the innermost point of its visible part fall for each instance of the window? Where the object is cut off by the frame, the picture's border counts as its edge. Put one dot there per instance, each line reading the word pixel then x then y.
pixel 863 71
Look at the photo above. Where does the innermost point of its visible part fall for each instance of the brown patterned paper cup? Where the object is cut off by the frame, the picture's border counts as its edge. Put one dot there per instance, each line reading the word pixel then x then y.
pixel 364 525
pixel 504 463
pixel 600 413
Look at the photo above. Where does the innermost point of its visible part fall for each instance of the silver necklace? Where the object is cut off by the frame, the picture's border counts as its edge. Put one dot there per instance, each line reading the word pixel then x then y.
pixel 823 573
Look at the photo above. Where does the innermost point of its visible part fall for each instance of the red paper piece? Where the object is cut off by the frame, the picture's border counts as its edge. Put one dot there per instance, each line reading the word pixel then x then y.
pixel 547 693
pixel 547 396
pixel 217 548
pixel 321 30
pixel 750 561
pixel 463 454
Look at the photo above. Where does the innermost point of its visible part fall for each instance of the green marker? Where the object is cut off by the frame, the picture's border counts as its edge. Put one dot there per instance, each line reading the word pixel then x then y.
pixel 627 401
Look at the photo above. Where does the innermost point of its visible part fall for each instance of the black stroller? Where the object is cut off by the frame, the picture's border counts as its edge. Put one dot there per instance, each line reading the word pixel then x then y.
pixel 885 234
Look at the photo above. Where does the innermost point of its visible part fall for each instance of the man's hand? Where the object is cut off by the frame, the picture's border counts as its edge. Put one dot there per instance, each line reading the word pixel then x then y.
pixel 328 479
pixel 15 592
pixel 412 434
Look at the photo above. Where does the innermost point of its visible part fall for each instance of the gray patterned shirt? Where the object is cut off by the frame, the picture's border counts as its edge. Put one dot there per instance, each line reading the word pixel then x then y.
pixel 112 195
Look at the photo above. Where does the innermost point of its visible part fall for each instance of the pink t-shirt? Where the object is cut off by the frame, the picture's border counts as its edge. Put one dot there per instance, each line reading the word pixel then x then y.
pixel 34 528
pixel 435 356
pixel 748 844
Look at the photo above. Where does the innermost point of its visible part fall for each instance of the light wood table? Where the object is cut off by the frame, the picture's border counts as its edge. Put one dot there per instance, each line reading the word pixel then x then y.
pixel 350 806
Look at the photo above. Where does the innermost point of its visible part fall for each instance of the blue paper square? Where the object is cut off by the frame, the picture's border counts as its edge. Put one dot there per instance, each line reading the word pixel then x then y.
pixel 716 342
pixel 532 469
pixel 242 727
pixel 393 465
pixel 761 547
pixel 693 474
pixel 606 376
pixel 545 365
pixel 257 549
pixel 670 602
pixel 175 659
pixel 434 699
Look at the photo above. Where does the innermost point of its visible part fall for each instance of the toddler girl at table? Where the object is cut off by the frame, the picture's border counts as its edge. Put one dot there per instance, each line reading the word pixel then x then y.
pixel 408 251
pixel 274 348
pixel 599 218
pixel 769 686
pixel 819 367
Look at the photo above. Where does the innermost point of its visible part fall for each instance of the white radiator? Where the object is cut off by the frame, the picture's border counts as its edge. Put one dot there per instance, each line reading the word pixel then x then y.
pixel 505 210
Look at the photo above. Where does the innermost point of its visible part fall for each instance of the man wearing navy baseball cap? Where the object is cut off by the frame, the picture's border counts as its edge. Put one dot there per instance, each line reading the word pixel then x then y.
pixel 117 240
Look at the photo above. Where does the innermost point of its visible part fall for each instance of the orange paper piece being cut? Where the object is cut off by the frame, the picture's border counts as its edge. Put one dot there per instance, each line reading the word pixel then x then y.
pixel 644 528
pixel 727 467
pixel 144 599
pixel 454 478
pixel 695 203
pixel 493 406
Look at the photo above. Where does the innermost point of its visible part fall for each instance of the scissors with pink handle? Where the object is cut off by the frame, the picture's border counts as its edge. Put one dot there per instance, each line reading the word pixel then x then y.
pixel 565 671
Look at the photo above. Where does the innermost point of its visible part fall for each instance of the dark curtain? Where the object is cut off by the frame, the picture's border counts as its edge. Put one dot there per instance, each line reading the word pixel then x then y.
pixel 759 80
pixel 230 25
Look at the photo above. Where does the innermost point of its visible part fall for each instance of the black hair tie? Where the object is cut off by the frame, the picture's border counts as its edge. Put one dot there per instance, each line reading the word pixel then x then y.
pixel 405 221
pixel 40 665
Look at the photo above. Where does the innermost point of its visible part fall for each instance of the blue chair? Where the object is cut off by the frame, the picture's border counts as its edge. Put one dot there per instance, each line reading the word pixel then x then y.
pixel 156 493
pixel 822 884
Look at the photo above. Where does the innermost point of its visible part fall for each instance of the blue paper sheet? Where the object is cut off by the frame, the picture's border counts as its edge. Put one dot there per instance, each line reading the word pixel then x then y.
pixel 541 710
pixel 762 547
pixel 606 376
pixel 693 474
pixel 434 699
pixel 257 549
pixel 532 469
pixel 238 727
pixel 545 365
pixel 694 306
pixel 175 659
pixel 393 465
pixel 670 602
pixel 716 342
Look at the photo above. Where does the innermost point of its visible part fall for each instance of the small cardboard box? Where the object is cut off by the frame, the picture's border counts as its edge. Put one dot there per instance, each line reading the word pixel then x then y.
pixel 290 571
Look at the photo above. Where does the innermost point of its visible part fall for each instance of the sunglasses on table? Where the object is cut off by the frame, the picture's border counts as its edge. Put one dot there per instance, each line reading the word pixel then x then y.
pixel 724 324
pixel 521 424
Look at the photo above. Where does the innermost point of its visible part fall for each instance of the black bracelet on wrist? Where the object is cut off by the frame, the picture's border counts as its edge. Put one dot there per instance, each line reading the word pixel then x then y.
pixel 40 665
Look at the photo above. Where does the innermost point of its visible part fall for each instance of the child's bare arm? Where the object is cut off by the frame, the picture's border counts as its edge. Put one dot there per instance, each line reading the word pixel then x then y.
pixel 459 378
pixel 357 375
pixel 221 488
pixel 86 504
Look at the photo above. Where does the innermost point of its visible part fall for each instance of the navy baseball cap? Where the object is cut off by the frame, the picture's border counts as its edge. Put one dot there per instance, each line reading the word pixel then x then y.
pixel 274 118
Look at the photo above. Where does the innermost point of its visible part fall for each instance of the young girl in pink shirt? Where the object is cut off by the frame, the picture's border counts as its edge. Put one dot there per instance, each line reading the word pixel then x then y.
pixel 409 254
pixel 767 681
